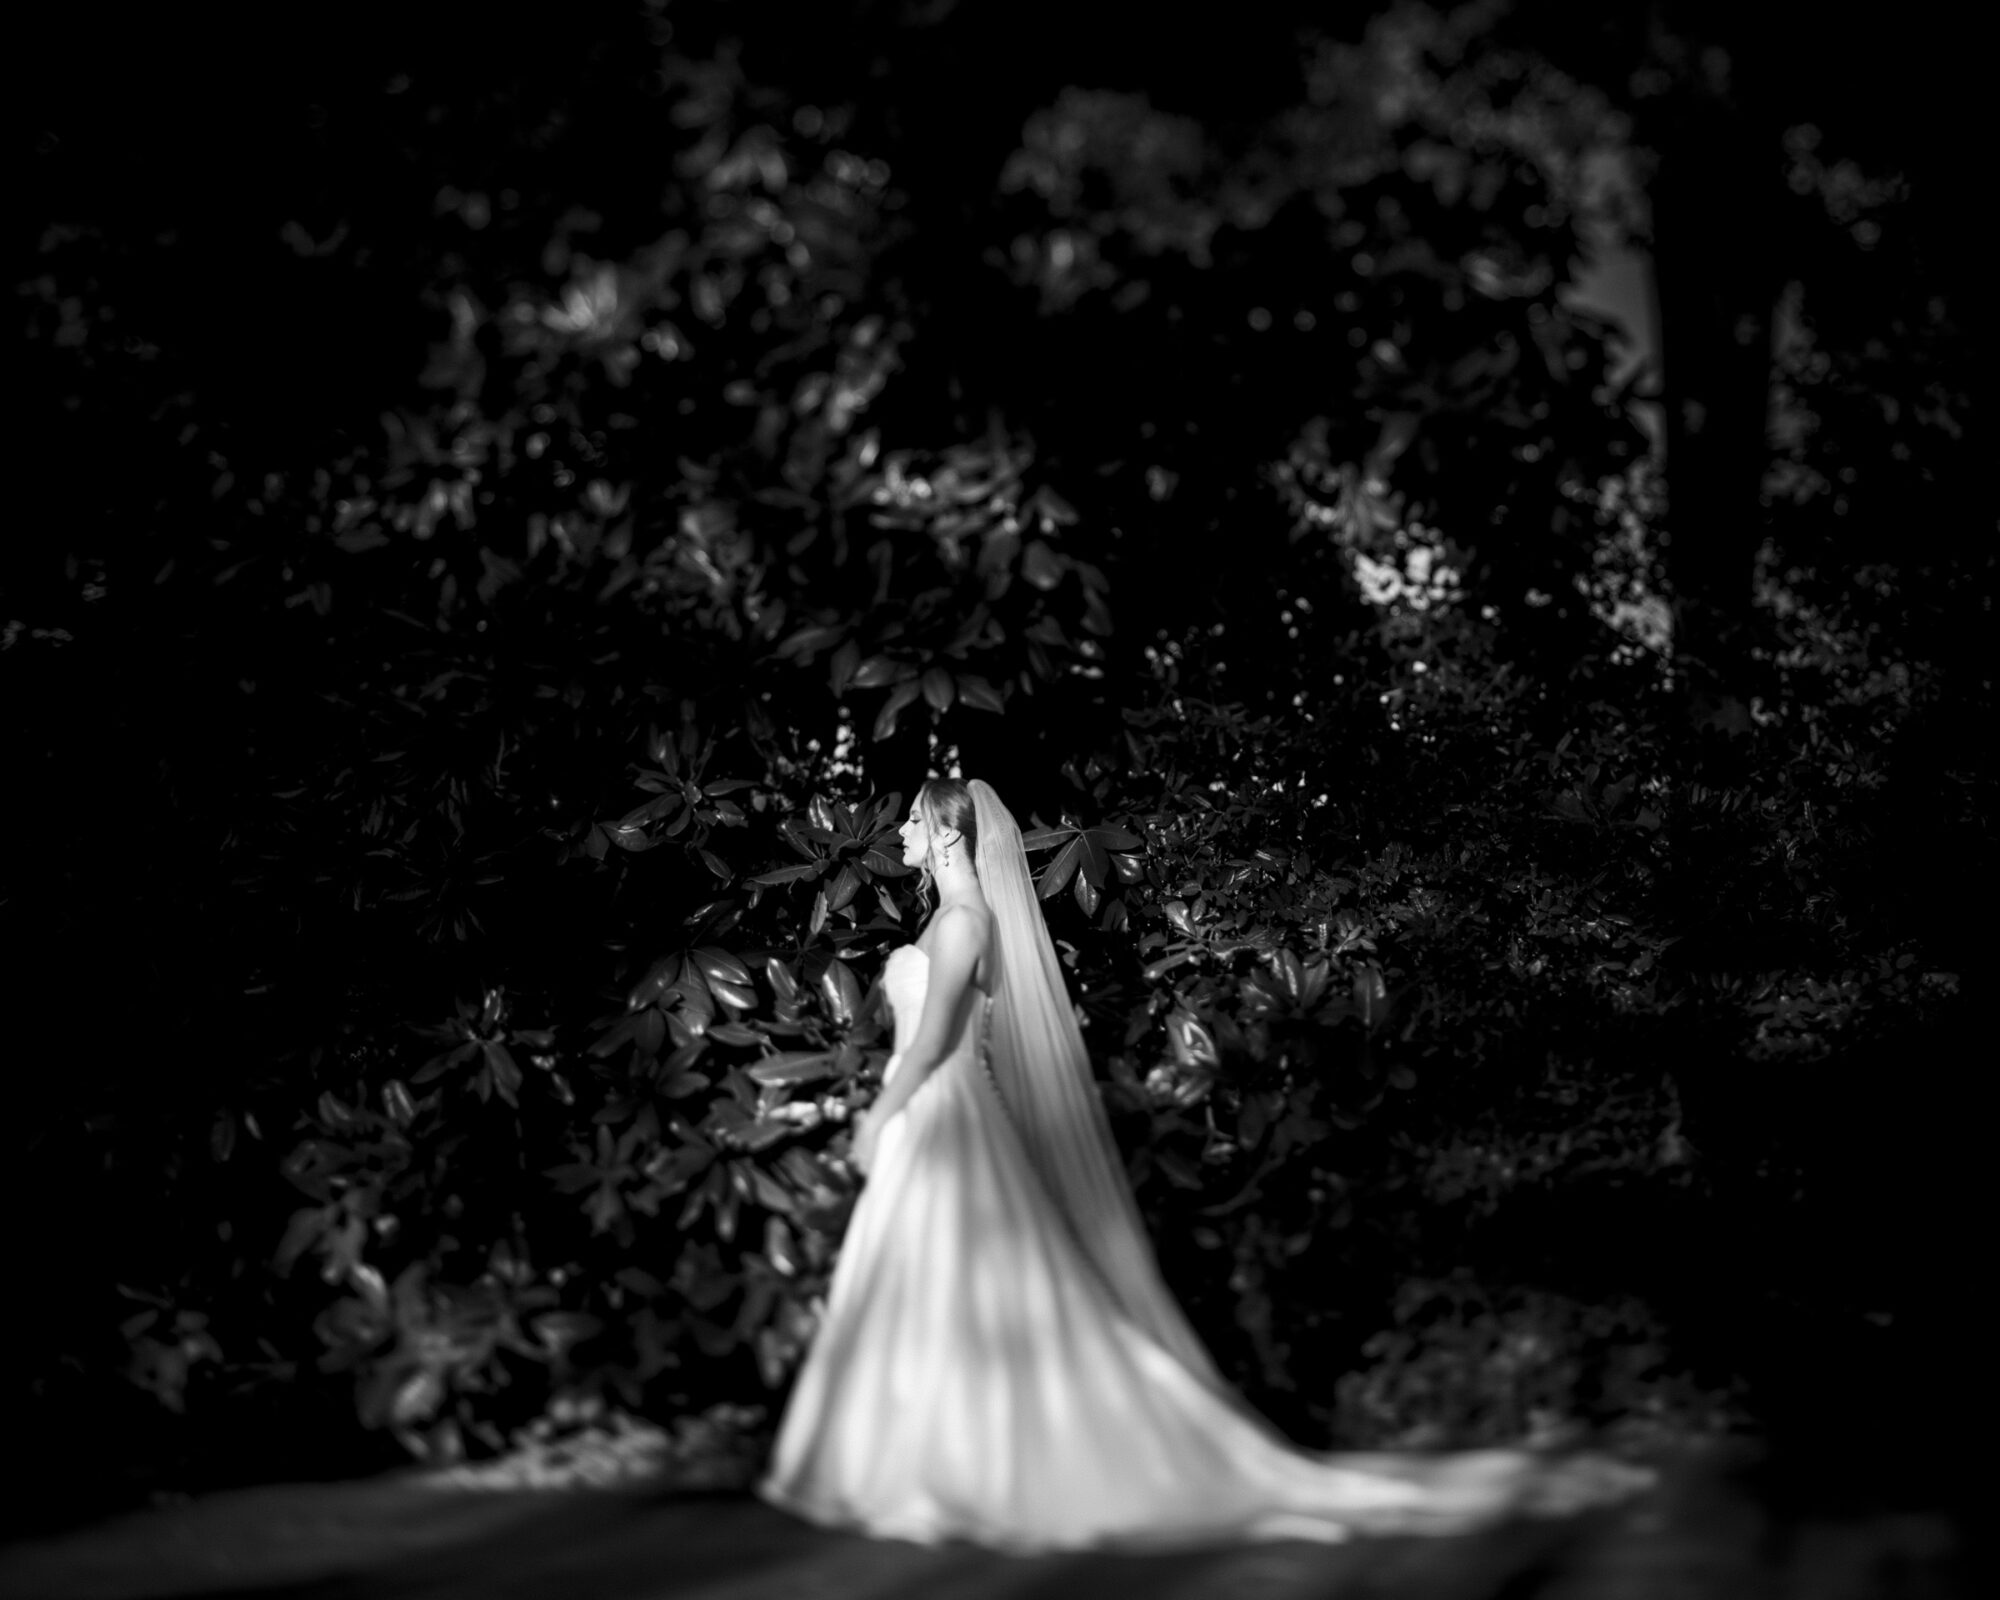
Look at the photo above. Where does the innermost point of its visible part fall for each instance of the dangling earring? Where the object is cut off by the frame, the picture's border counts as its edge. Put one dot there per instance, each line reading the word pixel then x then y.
pixel 947 855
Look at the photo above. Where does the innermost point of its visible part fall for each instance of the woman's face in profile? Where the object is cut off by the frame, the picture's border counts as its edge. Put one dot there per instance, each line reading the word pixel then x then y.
pixel 916 838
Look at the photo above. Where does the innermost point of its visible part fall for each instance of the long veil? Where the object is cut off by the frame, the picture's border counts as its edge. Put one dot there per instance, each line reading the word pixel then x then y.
pixel 1044 1077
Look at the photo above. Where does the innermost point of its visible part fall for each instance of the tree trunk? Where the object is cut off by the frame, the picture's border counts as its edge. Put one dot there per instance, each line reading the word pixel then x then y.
pixel 1715 195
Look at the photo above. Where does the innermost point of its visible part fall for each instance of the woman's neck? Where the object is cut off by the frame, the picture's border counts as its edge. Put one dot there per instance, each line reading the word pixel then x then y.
pixel 957 886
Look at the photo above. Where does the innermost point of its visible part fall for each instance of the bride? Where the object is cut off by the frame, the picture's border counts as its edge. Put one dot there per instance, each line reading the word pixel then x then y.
pixel 999 1359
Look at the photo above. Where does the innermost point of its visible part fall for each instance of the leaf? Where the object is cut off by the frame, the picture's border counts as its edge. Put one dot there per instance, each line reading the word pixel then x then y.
pixel 1094 863
pixel 1258 994
pixel 1051 506
pixel 779 875
pixel 766 1190
pixel 1370 994
pixel 558 1330
pixel 842 889
pixel 1059 871
pixel 305 1227
pixel 875 813
pixel 1088 895
pixel 1045 838
pixel 841 991
pixel 719 966
pixel 649 1031
pixel 607 1042
pixel 506 1072
pixel 714 863
pixel 397 1104
pixel 878 672
pixel 1313 984
pixel 975 692
pixel 660 747
pixel 892 708
pixel 1117 838
pixel 1194 1045
pixel 1255 1118
pixel 840 671
pixel 807 643
pixel 938 688
pixel 663 974
pixel 783 984
pixel 790 830
pixel 655 808
pixel 439 1065
pixel 1041 566
pixel 793 1066
pixel 678 1082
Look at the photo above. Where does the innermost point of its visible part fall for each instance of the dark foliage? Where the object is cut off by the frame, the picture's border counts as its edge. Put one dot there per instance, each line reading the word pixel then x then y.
pixel 521 511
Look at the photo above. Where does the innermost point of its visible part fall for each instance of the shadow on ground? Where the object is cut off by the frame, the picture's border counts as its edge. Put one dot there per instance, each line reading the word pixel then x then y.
pixel 1709 1532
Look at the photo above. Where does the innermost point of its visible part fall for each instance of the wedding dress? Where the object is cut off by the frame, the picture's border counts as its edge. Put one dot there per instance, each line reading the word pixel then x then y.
pixel 977 1375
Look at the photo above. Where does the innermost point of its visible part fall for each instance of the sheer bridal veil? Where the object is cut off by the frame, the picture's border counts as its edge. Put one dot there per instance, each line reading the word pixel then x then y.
pixel 1044 1077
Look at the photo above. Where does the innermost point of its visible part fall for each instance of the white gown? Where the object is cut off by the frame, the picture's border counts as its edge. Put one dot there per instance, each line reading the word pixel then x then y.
pixel 973 1378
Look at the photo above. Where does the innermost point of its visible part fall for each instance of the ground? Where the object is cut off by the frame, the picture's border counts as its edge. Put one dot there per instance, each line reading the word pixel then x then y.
pixel 1714 1530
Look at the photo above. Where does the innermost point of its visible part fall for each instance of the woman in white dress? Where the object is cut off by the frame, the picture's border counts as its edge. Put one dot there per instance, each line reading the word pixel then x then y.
pixel 999 1360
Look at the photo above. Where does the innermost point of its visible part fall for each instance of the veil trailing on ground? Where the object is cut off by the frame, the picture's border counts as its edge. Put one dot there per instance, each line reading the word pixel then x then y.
pixel 1044 1077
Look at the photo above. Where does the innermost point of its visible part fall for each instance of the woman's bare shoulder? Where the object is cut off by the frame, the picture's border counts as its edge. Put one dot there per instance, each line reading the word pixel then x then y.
pixel 968 924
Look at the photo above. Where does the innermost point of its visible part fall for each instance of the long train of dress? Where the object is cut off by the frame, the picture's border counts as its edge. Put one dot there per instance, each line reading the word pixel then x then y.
pixel 973 1377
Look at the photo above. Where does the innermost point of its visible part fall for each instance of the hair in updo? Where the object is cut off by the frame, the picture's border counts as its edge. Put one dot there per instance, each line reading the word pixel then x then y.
pixel 946 803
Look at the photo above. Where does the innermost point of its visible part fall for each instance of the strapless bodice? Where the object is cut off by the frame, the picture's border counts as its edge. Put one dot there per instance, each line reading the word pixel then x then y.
pixel 905 980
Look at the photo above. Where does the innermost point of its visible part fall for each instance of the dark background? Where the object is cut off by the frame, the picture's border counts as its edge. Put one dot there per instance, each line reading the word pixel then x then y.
pixel 436 420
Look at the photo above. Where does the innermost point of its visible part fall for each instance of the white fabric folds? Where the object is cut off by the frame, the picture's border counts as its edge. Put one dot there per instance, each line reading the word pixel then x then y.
pixel 1043 1071
pixel 999 1361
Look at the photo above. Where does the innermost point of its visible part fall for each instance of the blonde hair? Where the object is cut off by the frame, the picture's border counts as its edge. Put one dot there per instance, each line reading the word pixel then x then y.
pixel 947 803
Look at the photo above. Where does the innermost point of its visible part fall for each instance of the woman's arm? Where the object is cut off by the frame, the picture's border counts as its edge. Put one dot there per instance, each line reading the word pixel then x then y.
pixel 958 939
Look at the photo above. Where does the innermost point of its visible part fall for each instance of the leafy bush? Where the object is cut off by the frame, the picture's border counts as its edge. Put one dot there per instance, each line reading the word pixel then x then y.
pixel 499 873
pixel 1427 1074
pixel 1459 1360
